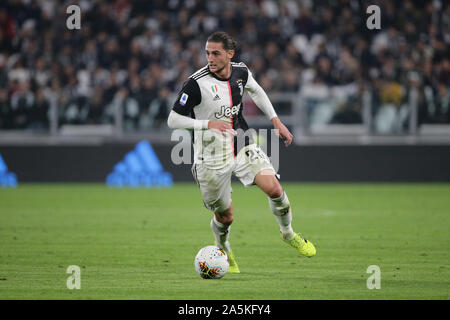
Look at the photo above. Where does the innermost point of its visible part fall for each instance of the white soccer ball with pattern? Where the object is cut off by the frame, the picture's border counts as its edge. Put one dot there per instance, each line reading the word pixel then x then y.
pixel 211 262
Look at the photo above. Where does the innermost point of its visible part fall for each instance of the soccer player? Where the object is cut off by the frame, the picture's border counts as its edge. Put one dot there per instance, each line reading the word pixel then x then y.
pixel 210 104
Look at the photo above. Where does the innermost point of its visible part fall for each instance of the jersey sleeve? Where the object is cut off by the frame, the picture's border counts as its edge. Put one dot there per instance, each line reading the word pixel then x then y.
pixel 188 98
pixel 259 96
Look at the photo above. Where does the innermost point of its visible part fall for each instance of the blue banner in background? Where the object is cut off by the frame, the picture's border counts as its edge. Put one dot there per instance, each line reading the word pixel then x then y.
pixel 139 168
pixel 7 178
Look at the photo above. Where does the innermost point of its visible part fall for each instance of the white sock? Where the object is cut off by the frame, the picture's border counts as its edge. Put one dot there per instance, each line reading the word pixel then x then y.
pixel 281 208
pixel 221 233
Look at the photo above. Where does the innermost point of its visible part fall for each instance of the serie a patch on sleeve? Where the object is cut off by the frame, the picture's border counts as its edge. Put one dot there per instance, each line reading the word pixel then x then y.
pixel 183 99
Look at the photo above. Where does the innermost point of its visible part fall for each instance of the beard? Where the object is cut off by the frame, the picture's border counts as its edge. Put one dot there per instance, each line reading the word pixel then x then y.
pixel 219 69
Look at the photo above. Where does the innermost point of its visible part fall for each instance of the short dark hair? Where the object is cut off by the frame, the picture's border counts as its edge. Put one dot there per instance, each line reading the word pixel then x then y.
pixel 223 37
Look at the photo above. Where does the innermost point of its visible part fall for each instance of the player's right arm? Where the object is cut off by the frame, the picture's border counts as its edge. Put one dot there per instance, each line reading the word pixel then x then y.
pixel 188 98
pixel 177 121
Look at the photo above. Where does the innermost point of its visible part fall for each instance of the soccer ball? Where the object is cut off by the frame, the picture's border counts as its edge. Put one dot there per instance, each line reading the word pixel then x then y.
pixel 211 262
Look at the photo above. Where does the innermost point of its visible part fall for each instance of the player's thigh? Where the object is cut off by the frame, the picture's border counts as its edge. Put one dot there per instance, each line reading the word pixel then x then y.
pixel 215 187
pixel 250 162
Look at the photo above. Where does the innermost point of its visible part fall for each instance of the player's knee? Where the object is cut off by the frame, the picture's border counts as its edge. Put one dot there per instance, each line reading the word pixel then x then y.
pixel 275 191
pixel 226 217
pixel 228 220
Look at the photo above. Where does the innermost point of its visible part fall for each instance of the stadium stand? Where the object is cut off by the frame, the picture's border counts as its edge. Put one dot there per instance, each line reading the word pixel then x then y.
pixel 136 53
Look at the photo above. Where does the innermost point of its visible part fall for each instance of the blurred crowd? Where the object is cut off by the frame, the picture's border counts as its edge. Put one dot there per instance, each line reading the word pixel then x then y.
pixel 135 54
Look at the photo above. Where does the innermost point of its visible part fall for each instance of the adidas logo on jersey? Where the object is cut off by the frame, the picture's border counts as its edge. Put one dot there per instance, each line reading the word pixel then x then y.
pixel 216 97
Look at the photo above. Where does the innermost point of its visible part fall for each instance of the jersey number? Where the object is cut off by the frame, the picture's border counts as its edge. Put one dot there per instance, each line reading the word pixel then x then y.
pixel 254 154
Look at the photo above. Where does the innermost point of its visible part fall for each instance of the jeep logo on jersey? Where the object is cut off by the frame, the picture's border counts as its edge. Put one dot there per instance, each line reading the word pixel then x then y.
pixel 227 112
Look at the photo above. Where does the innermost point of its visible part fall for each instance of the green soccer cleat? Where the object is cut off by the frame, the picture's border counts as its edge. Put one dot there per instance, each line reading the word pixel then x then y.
pixel 232 260
pixel 233 264
pixel 305 247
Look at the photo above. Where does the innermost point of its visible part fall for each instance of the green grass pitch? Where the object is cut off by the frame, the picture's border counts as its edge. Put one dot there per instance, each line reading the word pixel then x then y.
pixel 141 243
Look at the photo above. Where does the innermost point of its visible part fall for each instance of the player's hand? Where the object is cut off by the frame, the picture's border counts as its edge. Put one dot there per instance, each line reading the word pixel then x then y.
pixel 282 131
pixel 222 127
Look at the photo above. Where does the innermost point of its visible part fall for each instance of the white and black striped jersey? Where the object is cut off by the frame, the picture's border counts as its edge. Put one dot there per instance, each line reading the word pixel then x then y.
pixel 205 96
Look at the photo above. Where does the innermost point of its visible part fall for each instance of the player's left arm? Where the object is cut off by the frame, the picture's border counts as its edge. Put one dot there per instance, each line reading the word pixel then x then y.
pixel 261 99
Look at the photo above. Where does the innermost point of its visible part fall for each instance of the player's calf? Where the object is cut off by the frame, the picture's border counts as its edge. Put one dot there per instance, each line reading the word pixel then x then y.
pixel 281 208
pixel 220 226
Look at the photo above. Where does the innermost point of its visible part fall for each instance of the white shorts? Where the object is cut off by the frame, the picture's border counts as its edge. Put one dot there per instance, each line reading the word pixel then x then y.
pixel 215 184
